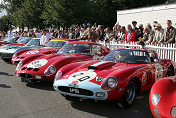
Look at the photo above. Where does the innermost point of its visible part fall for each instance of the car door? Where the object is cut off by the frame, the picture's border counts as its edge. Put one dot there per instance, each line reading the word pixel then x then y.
pixel 158 68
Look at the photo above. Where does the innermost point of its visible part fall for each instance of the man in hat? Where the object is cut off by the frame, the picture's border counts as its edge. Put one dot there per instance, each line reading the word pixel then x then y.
pixel 159 34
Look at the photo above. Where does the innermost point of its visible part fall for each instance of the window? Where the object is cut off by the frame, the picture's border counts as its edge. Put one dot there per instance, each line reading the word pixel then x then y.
pixel 96 49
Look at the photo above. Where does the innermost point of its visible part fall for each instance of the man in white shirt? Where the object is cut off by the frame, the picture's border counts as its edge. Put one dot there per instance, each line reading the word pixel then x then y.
pixel 16 35
pixel 38 34
pixel 10 33
pixel 45 38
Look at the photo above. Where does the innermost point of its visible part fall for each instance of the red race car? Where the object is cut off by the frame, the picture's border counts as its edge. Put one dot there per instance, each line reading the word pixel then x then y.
pixel 45 67
pixel 163 98
pixel 51 47
pixel 121 75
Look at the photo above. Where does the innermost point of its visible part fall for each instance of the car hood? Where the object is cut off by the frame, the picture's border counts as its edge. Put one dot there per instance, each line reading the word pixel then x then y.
pixel 100 70
pixel 53 59
pixel 13 49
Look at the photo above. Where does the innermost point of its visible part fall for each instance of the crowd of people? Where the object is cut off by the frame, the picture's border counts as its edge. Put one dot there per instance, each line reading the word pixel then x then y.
pixel 154 34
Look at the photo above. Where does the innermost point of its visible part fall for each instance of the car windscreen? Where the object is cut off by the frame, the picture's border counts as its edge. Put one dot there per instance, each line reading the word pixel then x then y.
pixel 24 40
pixel 58 44
pixel 128 56
pixel 11 40
pixel 76 48
pixel 33 42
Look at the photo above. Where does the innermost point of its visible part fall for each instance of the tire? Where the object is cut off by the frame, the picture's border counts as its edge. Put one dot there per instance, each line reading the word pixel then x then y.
pixel 129 94
pixel 170 72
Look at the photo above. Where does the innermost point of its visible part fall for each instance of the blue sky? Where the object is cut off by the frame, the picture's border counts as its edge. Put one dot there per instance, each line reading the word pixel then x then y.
pixel 3 12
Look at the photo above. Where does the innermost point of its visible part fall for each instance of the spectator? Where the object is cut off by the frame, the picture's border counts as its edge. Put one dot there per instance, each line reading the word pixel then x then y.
pixel 16 35
pixel 65 34
pixel 81 32
pixel 60 35
pixel 71 34
pixel 45 38
pixel 92 36
pixel 146 35
pixel 38 34
pixel 159 34
pixel 152 32
pixel 134 23
pixel 102 33
pixel 130 34
pixel 122 34
pixel 10 33
pixel 169 34
pixel 76 34
pixel 32 34
pixel 107 34
pixel 141 31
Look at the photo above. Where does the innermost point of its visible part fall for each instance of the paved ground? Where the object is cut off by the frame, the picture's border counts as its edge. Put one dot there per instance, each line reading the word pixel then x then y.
pixel 18 100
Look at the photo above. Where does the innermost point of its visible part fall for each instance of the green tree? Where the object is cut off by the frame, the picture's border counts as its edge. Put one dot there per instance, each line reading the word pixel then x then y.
pixel 5 24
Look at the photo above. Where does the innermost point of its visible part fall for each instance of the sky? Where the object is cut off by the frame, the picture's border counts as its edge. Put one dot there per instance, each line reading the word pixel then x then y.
pixel 3 11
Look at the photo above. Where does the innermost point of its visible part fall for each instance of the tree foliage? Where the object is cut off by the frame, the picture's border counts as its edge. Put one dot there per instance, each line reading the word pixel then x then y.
pixel 46 13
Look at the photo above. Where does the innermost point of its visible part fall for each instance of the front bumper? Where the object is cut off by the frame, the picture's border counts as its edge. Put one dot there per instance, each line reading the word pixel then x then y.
pixel 86 90
pixel 7 55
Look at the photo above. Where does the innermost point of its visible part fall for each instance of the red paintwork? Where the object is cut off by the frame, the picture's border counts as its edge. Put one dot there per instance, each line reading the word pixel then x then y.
pixel 166 88
pixel 58 60
pixel 42 51
pixel 124 72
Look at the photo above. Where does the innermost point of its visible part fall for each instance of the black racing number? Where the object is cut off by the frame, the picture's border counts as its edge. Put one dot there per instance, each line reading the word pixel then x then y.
pixel 84 78
pixel 149 78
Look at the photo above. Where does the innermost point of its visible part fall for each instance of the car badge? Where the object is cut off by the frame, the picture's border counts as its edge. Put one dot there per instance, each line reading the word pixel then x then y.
pixel 74 84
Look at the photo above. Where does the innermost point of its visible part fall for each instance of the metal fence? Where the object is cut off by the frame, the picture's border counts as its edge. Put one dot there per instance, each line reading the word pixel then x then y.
pixel 167 51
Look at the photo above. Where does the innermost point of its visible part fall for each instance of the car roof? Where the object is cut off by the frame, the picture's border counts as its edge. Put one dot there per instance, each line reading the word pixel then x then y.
pixel 87 42
pixel 141 49
pixel 64 40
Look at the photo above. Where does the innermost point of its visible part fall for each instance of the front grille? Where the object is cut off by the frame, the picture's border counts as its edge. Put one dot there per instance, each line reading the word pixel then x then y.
pixel 24 75
pixel 81 91
pixel 34 69
pixel 16 62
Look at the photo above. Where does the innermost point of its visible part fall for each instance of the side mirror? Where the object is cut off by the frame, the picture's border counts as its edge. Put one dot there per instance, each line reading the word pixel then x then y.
pixel 152 60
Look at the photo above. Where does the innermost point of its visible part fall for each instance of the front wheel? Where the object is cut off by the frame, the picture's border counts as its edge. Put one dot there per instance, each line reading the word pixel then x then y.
pixel 129 94
pixel 170 72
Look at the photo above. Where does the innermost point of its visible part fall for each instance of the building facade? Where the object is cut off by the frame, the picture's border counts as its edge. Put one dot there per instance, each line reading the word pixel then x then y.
pixel 145 15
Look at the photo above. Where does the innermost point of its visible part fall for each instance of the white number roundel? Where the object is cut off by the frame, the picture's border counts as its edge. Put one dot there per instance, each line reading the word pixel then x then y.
pixel 37 63
pixel 82 76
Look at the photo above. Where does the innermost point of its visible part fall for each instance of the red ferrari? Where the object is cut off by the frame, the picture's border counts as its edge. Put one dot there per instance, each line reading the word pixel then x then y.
pixel 121 75
pixel 44 68
pixel 163 98
pixel 51 47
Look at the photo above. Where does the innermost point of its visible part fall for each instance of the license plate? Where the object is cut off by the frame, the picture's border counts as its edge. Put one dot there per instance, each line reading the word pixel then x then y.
pixel 26 80
pixel 73 90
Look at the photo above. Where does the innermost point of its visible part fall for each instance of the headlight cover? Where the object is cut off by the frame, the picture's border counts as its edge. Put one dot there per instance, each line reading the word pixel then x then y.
pixel 58 75
pixel 50 70
pixel 155 99
pixel 14 56
pixel 20 64
pixel 112 82
pixel 109 83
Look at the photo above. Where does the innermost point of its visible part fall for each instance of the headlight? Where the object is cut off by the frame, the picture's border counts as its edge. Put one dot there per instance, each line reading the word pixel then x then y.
pixel 112 82
pixel 155 99
pixel 20 64
pixel 58 75
pixel 50 70
pixel 14 56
